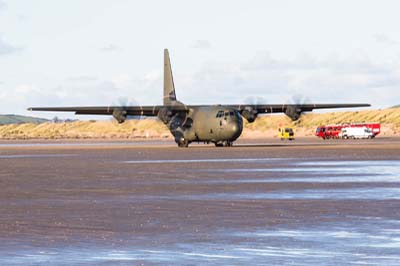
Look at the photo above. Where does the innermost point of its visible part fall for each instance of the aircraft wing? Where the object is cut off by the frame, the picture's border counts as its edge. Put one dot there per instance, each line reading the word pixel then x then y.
pixel 104 110
pixel 281 108
pixel 153 110
pixel 249 111
pixel 294 111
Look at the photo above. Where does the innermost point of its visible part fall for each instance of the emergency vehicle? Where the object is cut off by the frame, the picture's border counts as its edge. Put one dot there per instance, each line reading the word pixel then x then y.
pixel 286 133
pixel 334 131
pixel 356 133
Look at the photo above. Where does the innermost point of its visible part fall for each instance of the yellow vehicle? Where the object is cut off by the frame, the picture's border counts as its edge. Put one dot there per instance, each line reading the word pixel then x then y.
pixel 286 133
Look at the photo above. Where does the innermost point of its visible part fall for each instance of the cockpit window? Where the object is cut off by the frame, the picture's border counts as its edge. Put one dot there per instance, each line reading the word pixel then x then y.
pixel 220 113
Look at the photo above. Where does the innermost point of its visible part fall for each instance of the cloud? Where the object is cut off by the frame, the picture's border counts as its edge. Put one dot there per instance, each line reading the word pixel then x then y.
pixel 201 44
pixel 333 78
pixel 264 61
pixel 330 79
pixel 384 39
pixel 83 90
pixel 6 48
pixel 19 98
pixel 23 18
pixel 3 5
pixel 358 62
pixel 109 48
pixel 82 78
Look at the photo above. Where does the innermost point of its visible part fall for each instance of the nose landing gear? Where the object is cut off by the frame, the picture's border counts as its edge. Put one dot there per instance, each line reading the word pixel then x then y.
pixel 183 143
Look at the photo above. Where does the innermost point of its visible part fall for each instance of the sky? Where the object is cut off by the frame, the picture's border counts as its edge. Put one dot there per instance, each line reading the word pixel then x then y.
pixel 98 52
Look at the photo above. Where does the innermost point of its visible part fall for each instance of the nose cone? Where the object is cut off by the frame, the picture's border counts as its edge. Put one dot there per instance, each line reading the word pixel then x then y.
pixel 235 128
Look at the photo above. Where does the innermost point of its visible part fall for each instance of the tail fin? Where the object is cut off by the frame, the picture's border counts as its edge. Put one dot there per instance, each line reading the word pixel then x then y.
pixel 169 87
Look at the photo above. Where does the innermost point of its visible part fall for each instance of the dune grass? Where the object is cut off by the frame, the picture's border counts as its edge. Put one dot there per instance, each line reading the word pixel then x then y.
pixel 264 126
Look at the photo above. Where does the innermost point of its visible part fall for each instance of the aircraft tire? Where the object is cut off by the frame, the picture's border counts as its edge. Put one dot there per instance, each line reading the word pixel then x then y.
pixel 183 144
pixel 218 144
pixel 225 143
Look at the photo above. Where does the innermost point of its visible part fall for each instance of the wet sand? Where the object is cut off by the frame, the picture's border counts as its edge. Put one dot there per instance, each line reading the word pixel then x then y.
pixel 262 202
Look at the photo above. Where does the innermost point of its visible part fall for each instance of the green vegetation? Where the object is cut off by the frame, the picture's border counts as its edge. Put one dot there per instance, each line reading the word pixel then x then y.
pixel 19 119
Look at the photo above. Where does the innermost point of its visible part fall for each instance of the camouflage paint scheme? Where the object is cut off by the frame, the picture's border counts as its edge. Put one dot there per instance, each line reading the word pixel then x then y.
pixel 217 124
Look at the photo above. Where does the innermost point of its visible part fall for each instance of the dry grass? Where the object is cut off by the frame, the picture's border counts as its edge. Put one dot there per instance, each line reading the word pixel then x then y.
pixel 151 128
pixel 147 128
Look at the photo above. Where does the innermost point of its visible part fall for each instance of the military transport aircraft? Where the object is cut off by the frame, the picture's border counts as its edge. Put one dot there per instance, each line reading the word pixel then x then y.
pixel 218 124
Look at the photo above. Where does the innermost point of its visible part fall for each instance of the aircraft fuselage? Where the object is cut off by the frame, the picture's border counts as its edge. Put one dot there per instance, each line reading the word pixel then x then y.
pixel 217 124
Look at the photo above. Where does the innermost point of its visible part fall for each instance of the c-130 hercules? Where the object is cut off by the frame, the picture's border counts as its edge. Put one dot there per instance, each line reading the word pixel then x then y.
pixel 219 124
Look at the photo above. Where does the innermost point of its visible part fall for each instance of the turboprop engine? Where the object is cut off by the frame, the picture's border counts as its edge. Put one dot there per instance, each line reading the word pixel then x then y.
pixel 293 112
pixel 250 114
pixel 120 115
pixel 165 115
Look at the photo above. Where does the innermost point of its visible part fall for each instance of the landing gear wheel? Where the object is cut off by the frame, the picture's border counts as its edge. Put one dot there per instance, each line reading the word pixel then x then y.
pixel 183 144
pixel 218 144
pixel 224 143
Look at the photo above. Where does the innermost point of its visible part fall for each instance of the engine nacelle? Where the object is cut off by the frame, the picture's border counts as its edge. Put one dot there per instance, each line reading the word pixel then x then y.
pixel 249 114
pixel 120 115
pixel 165 115
pixel 293 112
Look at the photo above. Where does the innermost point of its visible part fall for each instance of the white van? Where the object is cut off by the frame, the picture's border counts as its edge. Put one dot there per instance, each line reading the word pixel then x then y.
pixel 356 133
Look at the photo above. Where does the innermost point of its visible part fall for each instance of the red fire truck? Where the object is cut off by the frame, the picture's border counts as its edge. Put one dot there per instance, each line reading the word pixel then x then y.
pixel 333 131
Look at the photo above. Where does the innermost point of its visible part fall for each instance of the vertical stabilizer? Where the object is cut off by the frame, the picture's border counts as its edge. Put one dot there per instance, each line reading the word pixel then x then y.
pixel 169 87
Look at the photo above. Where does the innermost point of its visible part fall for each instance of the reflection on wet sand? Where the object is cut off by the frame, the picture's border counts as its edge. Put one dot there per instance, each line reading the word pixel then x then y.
pixel 242 206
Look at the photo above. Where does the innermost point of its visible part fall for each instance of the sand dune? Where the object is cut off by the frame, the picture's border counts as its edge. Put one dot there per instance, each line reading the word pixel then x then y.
pixel 265 126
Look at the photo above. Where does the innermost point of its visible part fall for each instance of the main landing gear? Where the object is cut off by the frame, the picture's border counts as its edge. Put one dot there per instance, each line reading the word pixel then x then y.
pixel 224 143
pixel 183 143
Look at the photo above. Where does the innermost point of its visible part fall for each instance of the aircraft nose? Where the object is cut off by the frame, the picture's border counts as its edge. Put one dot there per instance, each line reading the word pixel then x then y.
pixel 235 129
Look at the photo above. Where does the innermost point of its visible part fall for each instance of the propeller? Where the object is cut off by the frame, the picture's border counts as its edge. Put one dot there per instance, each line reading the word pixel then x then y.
pixel 165 115
pixel 293 110
pixel 255 100
pixel 251 112
pixel 120 113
